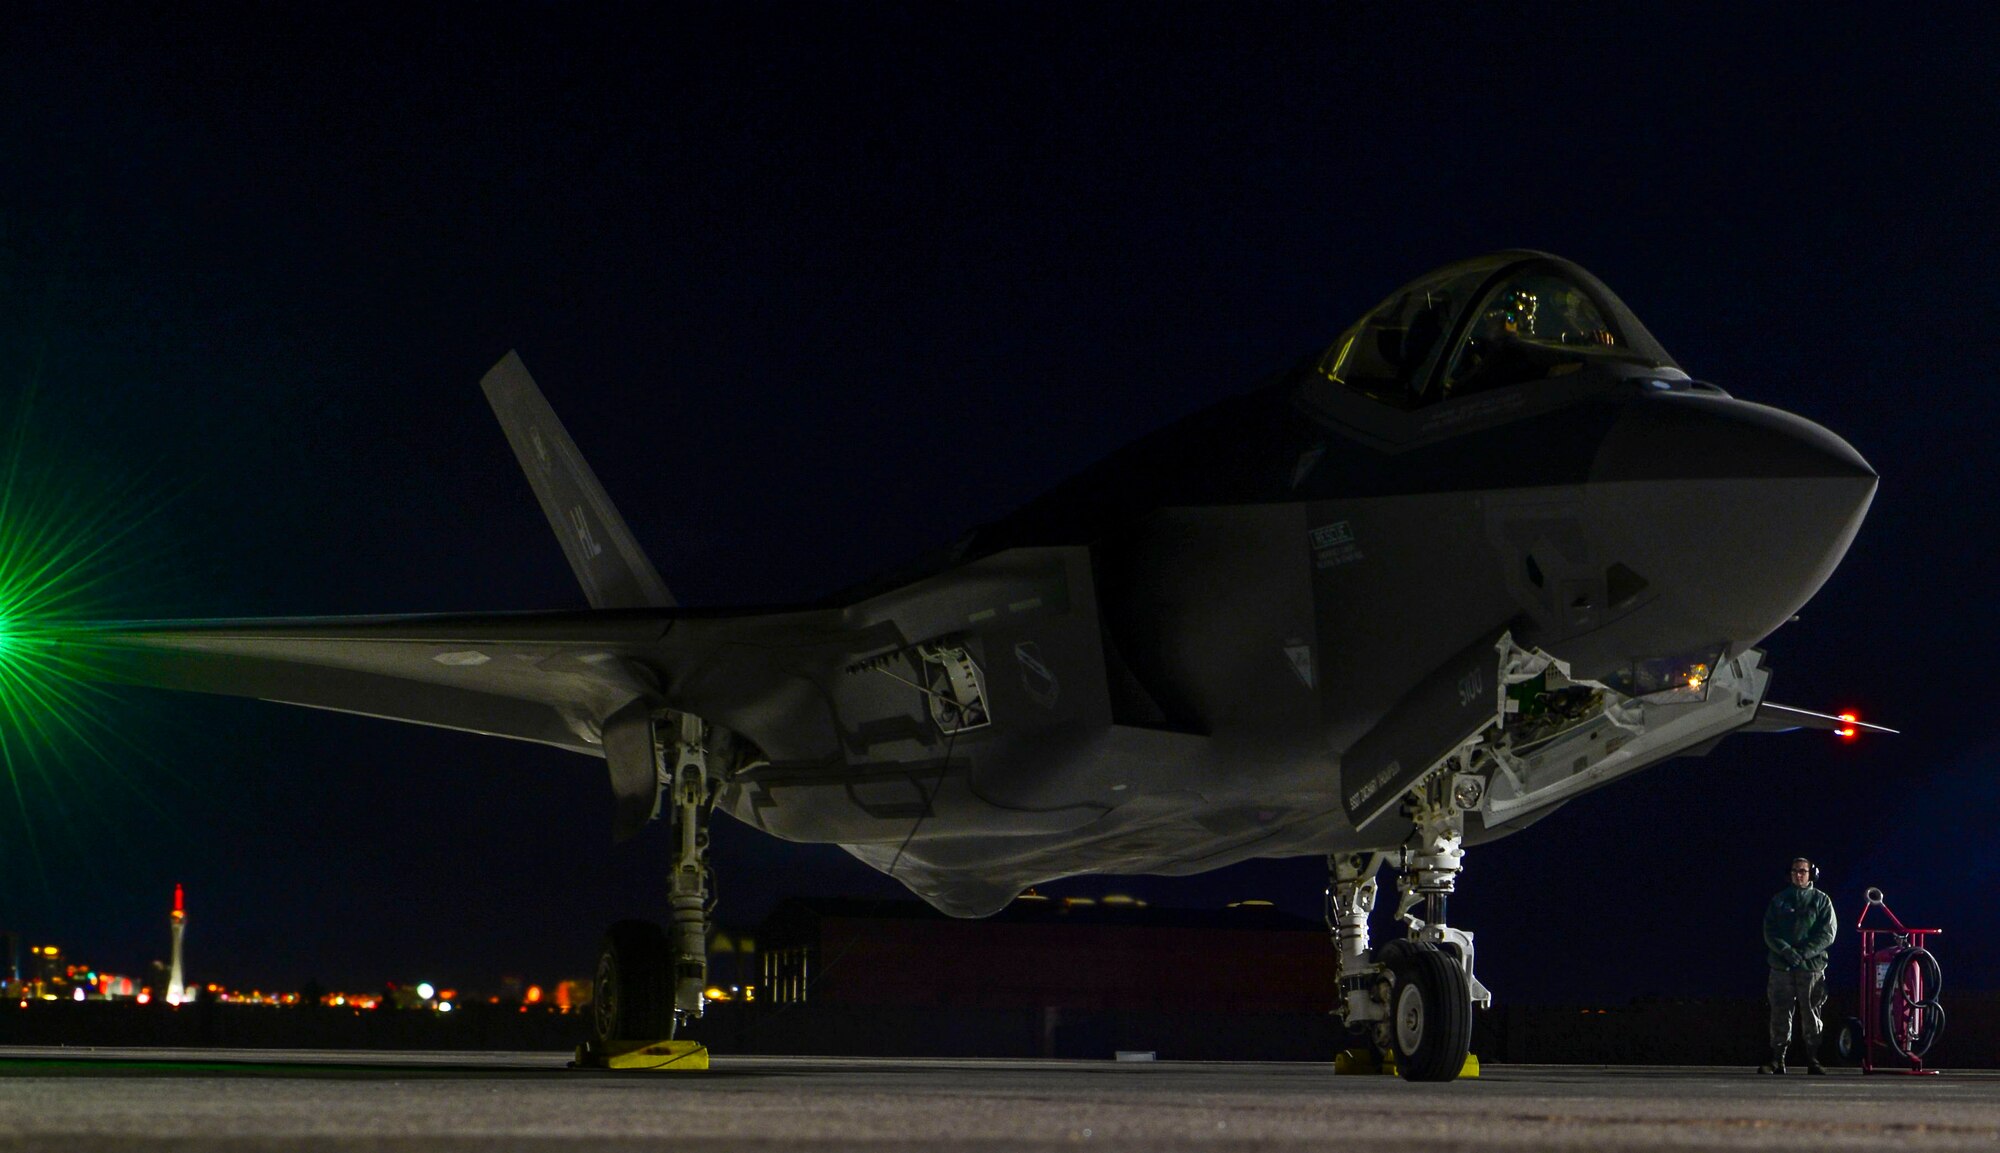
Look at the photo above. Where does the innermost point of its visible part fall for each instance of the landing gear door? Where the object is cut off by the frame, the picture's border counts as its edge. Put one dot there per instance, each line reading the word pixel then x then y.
pixel 629 742
pixel 1452 704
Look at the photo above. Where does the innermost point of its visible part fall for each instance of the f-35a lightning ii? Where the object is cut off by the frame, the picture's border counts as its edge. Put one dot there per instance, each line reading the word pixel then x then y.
pixel 1490 550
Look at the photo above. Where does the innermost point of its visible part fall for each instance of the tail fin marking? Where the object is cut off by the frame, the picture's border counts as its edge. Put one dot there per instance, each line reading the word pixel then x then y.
pixel 608 562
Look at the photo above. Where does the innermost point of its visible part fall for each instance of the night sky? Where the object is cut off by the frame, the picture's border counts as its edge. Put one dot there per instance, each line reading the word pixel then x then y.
pixel 818 287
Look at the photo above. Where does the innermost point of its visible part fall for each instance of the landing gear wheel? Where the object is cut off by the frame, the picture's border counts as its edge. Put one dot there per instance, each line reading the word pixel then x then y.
pixel 1430 1011
pixel 633 997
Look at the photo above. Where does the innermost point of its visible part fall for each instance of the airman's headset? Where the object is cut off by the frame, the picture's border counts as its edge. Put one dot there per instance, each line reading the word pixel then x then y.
pixel 1810 864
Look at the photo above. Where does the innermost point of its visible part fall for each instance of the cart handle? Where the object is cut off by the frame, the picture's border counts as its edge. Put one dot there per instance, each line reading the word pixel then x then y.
pixel 1875 901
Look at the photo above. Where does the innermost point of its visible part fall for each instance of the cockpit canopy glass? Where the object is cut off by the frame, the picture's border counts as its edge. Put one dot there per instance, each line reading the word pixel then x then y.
pixel 1480 326
pixel 1390 353
pixel 1532 326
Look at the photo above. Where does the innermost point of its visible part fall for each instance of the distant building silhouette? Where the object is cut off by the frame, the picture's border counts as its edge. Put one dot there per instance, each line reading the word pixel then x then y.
pixel 1049 953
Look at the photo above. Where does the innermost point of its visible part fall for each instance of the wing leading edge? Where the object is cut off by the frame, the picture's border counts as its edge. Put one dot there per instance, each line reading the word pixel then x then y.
pixel 545 677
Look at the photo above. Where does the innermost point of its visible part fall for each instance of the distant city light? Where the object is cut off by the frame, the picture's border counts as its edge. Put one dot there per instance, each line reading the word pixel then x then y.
pixel 78 995
pixel 426 990
pixel 534 994
pixel 444 1006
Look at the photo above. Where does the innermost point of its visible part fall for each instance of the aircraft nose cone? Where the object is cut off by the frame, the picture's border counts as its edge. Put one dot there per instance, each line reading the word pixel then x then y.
pixel 1689 438
pixel 1734 513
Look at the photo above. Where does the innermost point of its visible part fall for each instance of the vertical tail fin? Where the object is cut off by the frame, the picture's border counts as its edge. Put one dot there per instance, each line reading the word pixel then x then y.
pixel 608 563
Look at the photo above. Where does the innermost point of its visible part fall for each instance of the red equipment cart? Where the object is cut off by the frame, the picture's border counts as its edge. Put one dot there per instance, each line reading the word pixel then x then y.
pixel 1900 1015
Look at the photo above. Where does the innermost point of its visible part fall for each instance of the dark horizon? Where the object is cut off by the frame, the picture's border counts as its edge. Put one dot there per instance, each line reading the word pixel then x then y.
pixel 818 289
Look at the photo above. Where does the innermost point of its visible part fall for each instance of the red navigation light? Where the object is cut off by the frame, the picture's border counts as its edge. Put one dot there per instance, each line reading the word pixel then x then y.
pixel 1848 732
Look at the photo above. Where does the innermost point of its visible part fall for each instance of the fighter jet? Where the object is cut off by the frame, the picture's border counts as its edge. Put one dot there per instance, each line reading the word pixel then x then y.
pixel 1491 549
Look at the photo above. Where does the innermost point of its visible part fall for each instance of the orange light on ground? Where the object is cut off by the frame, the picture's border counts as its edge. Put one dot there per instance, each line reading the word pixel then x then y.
pixel 534 994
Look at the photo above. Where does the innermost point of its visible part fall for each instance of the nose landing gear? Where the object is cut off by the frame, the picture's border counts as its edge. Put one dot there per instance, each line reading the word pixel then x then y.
pixel 1416 995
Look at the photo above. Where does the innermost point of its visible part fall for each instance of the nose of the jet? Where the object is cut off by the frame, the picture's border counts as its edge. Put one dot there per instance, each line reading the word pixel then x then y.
pixel 1712 437
pixel 1734 513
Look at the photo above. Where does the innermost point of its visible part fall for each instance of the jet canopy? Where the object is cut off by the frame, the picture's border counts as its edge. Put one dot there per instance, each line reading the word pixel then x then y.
pixel 1499 321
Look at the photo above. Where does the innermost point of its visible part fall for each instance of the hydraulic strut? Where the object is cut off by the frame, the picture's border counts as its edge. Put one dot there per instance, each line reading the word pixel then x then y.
pixel 689 791
pixel 1431 863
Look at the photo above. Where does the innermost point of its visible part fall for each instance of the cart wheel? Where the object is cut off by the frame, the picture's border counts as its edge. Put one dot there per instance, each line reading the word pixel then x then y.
pixel 1911 1017
pixel 1851 1043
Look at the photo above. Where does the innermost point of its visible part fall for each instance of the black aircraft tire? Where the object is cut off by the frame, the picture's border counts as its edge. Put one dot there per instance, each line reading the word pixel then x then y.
pixel 633 997
pixel 1430 1012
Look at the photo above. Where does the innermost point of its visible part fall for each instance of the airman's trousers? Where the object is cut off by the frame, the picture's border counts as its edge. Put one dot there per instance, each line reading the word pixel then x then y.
pixel 1801 990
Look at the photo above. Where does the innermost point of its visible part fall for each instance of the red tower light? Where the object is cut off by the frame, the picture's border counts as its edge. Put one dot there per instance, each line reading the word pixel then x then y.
pixel 180 902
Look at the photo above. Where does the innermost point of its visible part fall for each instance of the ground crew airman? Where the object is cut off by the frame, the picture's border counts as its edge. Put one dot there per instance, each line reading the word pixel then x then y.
pixel 1798 930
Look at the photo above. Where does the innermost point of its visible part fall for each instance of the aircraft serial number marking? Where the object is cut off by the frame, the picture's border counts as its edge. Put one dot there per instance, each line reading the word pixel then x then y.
pixel 1469 687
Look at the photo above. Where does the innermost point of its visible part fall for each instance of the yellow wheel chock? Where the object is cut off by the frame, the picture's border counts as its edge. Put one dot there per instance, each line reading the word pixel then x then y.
pixel 658 1055
pixel 1358 1060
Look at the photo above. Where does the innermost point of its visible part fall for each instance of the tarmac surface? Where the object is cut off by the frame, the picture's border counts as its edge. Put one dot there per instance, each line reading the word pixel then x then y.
pixel 239 1101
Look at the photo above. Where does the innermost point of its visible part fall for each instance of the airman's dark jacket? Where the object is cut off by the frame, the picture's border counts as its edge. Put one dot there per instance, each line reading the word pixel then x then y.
pixel 1798 929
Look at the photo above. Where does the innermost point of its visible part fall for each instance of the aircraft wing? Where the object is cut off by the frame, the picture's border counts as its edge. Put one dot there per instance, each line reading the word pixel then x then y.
pixel 544 677
pixel 1773 718
pixel 551 677
pixel 794 681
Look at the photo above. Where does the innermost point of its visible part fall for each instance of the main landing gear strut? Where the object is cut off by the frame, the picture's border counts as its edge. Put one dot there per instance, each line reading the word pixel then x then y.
pixel 649 981
pixel 1415 994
